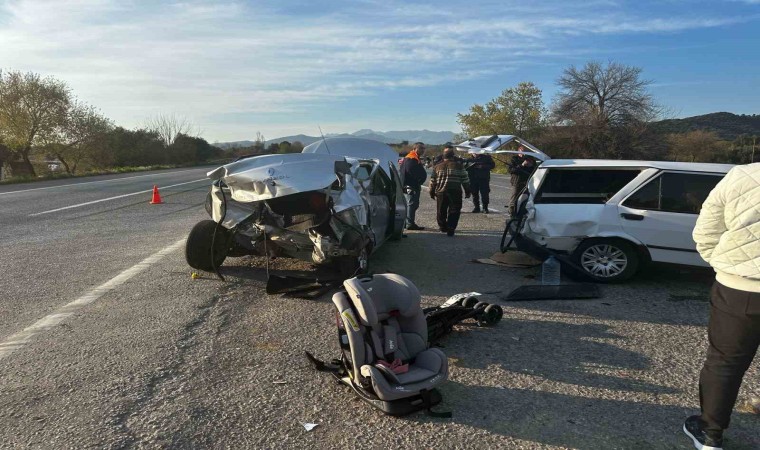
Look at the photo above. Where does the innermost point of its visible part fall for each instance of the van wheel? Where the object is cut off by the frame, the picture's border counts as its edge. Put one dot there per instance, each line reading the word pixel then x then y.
pixel 607 260
pixel 198 246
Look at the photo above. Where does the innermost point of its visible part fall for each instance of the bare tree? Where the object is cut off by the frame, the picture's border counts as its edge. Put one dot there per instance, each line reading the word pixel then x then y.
pixel 169 126
pixel 604 95
pixel 31 109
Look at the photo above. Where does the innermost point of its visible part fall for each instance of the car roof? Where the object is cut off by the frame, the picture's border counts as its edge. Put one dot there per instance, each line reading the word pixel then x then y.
pixel 625 164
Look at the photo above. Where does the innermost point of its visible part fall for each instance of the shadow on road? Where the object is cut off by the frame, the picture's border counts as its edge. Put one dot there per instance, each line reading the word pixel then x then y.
pixel 575 421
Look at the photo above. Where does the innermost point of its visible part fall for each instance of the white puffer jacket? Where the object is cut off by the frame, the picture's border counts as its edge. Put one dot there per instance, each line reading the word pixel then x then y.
pixel 728 229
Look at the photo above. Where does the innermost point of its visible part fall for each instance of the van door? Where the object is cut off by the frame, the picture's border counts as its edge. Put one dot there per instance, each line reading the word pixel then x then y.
pixel 662 214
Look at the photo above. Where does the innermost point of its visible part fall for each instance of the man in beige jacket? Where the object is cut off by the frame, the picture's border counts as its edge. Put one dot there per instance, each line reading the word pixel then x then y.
pixel 728 238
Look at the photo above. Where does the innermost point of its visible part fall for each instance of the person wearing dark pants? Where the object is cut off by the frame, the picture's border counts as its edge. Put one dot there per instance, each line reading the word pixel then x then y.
pixel 726 236
pixel 521 168
pixel 413 175
pixel 479 168
pixel 446 184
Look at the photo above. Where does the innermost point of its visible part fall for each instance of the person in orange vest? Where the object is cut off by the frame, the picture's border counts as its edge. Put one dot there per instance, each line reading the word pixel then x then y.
pixel 413 175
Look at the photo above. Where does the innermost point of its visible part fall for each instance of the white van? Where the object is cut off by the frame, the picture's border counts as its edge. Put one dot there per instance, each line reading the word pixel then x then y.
pixel 610 216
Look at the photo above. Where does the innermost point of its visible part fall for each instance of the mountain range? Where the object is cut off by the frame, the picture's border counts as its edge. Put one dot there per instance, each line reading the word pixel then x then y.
pixel 726 125
pixel 389 137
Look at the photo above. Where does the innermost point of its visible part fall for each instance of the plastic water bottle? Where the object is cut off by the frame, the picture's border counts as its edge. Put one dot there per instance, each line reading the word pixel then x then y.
pixel 550 272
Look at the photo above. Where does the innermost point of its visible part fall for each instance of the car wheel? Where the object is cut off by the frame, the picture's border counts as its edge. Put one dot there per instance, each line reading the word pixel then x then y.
pixel 198 246
pixel 607 260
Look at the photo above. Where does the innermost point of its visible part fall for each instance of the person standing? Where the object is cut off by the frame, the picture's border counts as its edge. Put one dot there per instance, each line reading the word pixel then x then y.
pixel 446 184
pixel 413 175
pixel 521 167
pixel 726 235
pixel 479 171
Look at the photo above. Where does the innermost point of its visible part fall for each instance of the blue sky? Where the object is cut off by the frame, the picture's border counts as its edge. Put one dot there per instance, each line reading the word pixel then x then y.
pixel 285 67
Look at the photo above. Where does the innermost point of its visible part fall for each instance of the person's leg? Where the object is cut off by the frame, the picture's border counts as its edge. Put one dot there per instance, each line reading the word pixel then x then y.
pixel 442 206
pixel 513 196
pixel 485 190
pixel 474 185
pixel 733 336
pixel 455 209
pixel 413 203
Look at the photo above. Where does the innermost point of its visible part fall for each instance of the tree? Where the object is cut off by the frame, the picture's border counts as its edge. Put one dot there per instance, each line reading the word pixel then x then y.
pixel 296 147
pixel 697 145
pixel 31 109
pixel 604 112
pixel 610 95
pixel 168 127
pixel 259 143
pixel 284 147
pixel 84 129
pixel 519 110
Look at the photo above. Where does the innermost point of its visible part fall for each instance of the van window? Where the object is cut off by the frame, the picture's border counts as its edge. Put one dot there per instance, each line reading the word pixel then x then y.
pixel 674 192
pixel 586 186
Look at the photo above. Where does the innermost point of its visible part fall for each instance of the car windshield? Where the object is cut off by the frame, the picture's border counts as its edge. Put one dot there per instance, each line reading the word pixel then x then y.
pixel 586 186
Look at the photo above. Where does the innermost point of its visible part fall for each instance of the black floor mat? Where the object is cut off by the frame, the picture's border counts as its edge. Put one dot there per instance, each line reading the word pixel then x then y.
pixel 561 292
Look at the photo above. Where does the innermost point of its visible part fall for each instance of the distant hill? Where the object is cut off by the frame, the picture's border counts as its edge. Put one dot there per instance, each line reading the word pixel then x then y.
pixel 727 125
pixel 389 137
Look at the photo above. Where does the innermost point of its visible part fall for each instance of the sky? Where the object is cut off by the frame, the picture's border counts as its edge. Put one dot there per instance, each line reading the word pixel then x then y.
pixel 286 67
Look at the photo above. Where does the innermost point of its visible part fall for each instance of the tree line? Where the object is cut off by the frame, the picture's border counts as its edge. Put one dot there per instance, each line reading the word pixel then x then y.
pixel 601 111
pixel 41 121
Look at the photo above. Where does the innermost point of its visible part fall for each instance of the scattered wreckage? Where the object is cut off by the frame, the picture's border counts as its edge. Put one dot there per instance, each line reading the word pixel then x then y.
pixel 332 205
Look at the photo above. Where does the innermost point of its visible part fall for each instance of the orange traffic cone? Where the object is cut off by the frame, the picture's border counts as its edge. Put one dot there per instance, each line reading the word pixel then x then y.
pixel 156 197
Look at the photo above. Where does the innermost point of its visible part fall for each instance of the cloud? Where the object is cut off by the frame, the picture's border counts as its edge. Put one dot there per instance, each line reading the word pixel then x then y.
pixel 204 59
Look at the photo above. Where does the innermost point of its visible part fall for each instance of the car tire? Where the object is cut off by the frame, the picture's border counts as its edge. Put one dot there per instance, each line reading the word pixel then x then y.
pixel 198 246
pixel 606 260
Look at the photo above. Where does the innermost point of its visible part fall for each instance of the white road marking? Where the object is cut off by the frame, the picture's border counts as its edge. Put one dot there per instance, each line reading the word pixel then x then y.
pixel 20 339
pixel 112 198
pixel 94 182
pixel 500 185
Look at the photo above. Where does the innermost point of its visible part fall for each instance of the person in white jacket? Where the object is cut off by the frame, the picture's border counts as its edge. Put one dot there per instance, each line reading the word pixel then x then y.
pixel 727 235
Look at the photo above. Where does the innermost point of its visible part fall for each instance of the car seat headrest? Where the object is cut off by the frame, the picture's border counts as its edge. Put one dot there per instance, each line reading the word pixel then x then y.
pixel 379 297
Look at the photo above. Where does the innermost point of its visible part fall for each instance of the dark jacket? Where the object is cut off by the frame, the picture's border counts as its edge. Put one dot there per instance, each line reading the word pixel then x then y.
pixel 520 173
pixel 413 172
pixel 479 167
pixel 449 175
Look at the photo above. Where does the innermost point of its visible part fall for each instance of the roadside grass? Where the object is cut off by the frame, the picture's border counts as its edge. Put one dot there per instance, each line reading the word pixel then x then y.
pixel 114 170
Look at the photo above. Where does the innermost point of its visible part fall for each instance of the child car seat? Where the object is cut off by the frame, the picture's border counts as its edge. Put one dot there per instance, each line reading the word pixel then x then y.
pixel 385 354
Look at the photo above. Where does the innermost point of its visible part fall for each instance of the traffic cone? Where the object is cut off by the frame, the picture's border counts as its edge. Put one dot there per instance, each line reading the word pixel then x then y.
pixel 156 197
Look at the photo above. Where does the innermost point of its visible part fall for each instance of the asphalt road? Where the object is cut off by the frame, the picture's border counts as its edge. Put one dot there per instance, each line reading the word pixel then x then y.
pixel 124 349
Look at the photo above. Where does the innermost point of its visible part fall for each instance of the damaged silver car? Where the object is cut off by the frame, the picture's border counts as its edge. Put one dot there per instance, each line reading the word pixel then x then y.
pixel 322 206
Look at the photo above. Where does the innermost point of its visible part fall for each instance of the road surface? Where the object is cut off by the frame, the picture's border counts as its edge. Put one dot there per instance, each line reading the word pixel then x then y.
pixel 107 342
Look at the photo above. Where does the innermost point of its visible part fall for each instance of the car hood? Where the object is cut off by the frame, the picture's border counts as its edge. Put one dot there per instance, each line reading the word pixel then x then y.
pixel 492 144
pixel 270 176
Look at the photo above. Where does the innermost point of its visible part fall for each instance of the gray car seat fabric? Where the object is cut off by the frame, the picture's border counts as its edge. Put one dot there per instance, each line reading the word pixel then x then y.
pixel 384 321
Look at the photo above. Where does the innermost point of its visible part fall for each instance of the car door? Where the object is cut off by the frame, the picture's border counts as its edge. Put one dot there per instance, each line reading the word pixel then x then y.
pixel 380 205
pixel 398 202
pixel 662 214
pixel 569 204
